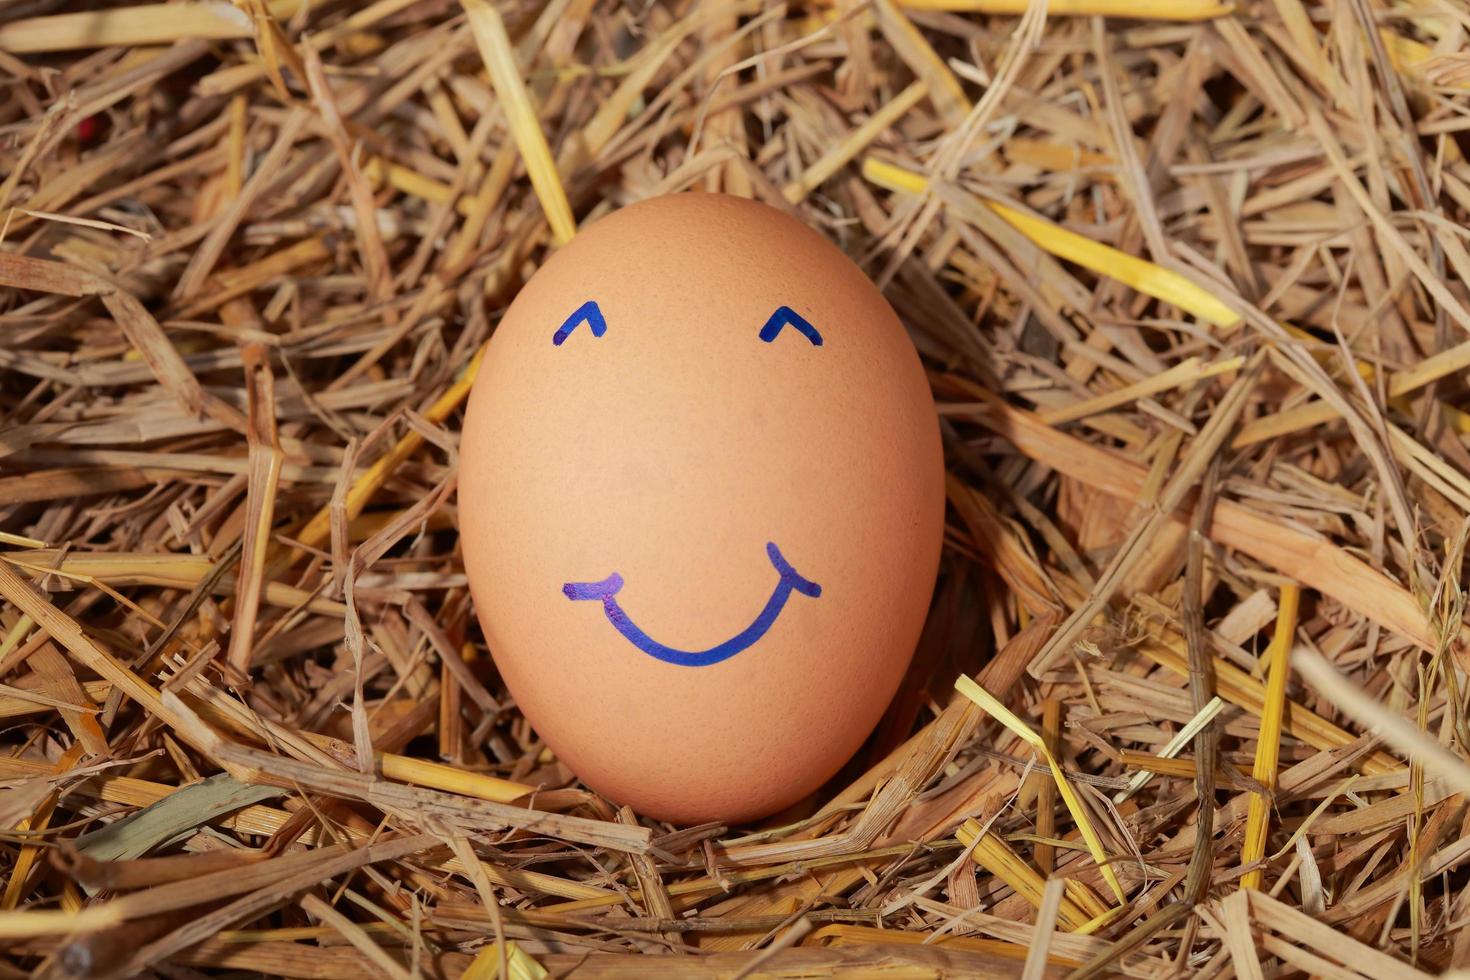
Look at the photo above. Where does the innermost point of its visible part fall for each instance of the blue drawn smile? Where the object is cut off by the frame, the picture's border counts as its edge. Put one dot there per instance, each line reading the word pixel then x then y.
pixel 607 591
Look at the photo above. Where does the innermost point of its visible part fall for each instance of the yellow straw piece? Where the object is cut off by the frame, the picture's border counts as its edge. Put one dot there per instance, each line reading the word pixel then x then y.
pixel 18 632
pixel 1140 275
pixel 436 775
pixel 1094 924
pixel 520 115
pixel 158 23
pixel 519 964
pixel 1409 57
pixel 28 923
pixel 1459 420
pixel 319 528
pixel 1144 277
pixel 415 184
pixel 995 856
pixel 1268 745
pixel 894 178
pixel 966 686
pixel 407 180
pixel 21 541
pixel 1134 9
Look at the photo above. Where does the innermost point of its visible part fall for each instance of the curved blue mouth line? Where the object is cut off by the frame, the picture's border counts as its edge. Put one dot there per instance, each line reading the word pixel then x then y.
pixel 607 591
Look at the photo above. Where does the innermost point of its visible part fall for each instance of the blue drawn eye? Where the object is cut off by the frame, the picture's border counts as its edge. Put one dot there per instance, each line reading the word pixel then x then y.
pixel 589 312
pixel 786 315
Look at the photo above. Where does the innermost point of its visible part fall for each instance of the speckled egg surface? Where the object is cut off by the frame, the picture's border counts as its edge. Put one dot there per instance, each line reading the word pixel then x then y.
pixel 701 502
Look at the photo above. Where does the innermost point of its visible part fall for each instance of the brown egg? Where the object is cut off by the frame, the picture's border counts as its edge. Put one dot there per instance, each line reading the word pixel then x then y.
pixel 701 500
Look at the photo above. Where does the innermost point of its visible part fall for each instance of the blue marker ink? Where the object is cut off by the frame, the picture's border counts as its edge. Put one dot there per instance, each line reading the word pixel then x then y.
pixel 781 318
pixel 589 312
pixel 607 591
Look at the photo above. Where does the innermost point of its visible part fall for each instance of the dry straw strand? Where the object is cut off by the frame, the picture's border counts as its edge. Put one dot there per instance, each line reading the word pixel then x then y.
pixel 1268 743
pixel 520 114
pixel 1020 729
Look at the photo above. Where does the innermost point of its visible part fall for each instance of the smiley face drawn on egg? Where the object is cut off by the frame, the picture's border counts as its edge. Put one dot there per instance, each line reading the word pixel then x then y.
pixel 701 525
pixel 607 590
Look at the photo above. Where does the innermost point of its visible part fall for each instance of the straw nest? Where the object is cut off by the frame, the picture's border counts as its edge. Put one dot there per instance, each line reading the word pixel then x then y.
pixel 1191 284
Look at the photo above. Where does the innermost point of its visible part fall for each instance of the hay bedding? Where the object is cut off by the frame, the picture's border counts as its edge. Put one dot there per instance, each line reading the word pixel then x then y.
pixel 1191 282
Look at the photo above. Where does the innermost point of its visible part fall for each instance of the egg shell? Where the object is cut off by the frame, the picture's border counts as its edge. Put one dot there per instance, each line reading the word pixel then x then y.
pixel 673 450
